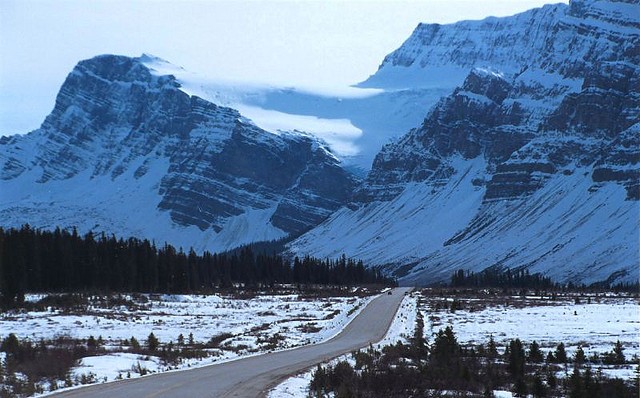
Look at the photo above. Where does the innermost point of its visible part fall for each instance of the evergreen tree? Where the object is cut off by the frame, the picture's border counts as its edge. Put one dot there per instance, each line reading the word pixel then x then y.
pixel 575 385
pixel 550 358
pixel 535 355
pixel 580 357
pixel 516 359
pixel 538 389
pixel 560 354
pixel 520 387
pixel 76 263
pixel 152 342
pixel 552 380
pixel 492 350
pixel 14 268
pixel 10 345
pixel 445 349
pixel 91 343
pixel 590 384
pixel 618 354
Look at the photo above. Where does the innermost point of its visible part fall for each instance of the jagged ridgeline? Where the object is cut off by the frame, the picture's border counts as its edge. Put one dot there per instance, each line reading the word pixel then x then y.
pixel 63 261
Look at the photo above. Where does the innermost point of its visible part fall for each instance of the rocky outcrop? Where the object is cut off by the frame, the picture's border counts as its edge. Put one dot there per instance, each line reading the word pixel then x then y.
pixel 620 163
pixel 464 124
pixel 526 127
pixel 562 39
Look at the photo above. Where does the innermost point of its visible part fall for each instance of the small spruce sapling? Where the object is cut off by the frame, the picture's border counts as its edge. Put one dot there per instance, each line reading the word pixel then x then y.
pixel 492 350
pixel 580 357
pixel 618 355
pixel 152 342
pixel 560 354
pixel 535 355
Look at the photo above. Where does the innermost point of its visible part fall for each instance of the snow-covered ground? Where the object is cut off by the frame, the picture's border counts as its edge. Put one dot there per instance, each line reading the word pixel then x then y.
pixel 254 325
pixel 594 323
pixel 596 326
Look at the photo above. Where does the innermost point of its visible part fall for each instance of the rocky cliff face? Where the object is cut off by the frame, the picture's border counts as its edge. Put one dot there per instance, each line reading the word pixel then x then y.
pixel 533 161
pixel 560 39
pixel 118 126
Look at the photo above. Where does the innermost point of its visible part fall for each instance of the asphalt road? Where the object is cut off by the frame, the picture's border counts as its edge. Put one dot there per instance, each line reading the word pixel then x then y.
pixel 254 376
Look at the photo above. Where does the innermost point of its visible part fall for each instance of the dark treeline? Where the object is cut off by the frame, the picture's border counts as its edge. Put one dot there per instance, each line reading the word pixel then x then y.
pixel 64 261
pixel 277 246
pixel 615 287
pixel 496 277
pixel 521 279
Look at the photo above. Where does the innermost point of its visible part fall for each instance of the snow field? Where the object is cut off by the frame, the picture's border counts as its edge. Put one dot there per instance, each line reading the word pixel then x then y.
pixel 255 325
pixel 594 325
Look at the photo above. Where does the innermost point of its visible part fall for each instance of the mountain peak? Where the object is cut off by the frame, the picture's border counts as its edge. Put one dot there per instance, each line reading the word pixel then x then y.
pixel 146 57
pixel 126 151
pixel 114 68
pixel 543 38
pixel 522 154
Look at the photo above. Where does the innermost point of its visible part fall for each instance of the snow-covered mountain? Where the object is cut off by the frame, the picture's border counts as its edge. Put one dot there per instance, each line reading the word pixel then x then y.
pixel 125 150
pixel 529 155
pixel 531 162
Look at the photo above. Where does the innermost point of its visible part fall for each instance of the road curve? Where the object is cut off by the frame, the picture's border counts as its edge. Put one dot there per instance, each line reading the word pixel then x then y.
pixel 254 376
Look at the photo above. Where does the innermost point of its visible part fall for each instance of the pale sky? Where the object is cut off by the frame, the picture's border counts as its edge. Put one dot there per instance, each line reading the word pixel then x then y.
pixel 292 43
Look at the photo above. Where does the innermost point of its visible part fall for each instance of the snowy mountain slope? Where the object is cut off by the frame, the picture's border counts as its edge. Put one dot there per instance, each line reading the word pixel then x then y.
pixel 559 231
pixel 398 230
pixel 558 38
pixel 533 161
pixel 126 151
